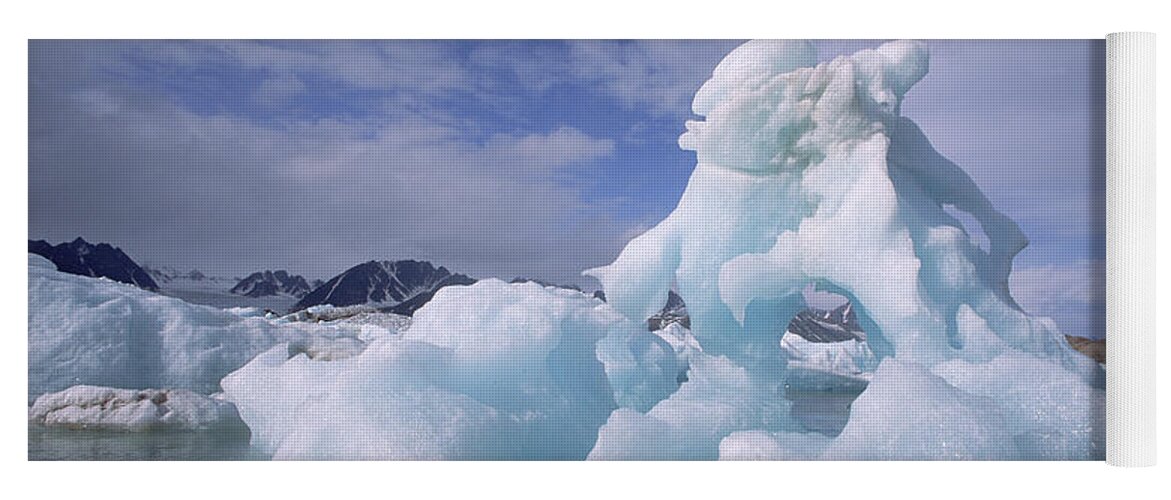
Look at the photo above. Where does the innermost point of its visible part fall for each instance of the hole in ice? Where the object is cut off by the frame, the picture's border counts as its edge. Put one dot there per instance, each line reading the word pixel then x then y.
pixel 829 361
pixel 971 226
pixel 828 317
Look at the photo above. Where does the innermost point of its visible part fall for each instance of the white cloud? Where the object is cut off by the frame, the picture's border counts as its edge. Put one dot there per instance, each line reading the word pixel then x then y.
pixel 1073 294
pixel 226 194
pixel 427 67
pixel 655 76
pixel 660 75
pixel 115 155
pixel 1041 288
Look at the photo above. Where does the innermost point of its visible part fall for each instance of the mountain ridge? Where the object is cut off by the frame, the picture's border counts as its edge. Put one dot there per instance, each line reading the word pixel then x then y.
pixel 395 286
pixel 270 283
pixel 102 260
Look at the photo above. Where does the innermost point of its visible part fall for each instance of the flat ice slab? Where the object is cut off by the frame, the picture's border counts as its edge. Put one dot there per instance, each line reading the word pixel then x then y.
pixel 105 408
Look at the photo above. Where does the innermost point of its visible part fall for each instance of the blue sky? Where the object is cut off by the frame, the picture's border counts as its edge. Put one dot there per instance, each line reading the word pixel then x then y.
pixel 497 158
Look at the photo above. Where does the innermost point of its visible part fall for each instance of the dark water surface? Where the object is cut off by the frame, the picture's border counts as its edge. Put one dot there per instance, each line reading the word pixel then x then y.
pixel 71 444
pixel 823 412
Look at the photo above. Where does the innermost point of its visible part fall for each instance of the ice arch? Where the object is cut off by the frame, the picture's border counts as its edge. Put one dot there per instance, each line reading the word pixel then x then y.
pixel 807 174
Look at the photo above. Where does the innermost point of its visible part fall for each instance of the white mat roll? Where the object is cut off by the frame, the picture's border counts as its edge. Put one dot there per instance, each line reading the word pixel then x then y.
pixel 1130 249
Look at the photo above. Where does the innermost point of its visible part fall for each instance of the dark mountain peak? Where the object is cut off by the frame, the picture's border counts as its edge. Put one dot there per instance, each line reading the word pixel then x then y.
pixel 370 265
pixel 674 311
pixel 404 285
pixel 39 247
pixel 269 283
pixel 815 325
pixel 837 325
pixel 100 261
pixel 844 314
pixel 674 302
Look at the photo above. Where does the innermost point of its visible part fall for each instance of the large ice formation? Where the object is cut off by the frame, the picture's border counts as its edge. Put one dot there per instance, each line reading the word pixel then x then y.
pixel 91 331
pixel 808 175
pixel 487 371
pixel 807 178
pixel 88 331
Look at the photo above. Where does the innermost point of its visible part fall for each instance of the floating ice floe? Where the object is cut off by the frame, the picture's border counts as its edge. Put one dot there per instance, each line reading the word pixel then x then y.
pixel 845 366
pixel 104 408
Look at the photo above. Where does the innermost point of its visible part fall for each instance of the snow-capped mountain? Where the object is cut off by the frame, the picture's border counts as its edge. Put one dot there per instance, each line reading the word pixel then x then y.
pixel 197 287
pixel 837 325
pixel 814 325
pixel 164 275
pixel 397 286
pixel 269 283
pixel 675 311
pixel 99 261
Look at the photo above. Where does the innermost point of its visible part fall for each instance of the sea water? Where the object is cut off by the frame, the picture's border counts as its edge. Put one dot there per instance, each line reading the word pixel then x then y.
pixel 822 412
pixel 79 444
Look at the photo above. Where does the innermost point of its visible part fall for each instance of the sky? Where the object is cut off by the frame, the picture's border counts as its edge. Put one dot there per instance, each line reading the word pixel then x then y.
pixel 499 158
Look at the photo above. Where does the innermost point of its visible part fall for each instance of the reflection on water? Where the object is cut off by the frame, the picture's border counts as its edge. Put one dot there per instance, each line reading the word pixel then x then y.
pixel 67 444
pixel 823 412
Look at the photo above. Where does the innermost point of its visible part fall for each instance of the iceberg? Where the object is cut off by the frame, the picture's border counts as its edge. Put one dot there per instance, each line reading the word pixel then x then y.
pixel 760 445
pixel 98 332
pixel 681 340
pixel 808 176
pixel 642 368
pixel 487 371
pixel 718 398
pixel 908 413
pixel 1048 412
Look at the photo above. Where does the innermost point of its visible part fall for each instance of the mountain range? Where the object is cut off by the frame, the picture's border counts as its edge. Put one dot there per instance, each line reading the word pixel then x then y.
pixel 835 325
pixel 403 286
pixel 675 311
pixel 270 283
pixel 99 261
pixel 164 275
pixel 400 286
